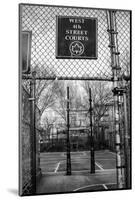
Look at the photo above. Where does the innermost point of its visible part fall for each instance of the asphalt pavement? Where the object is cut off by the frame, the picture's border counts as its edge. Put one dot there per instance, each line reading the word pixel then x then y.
pixel 55 180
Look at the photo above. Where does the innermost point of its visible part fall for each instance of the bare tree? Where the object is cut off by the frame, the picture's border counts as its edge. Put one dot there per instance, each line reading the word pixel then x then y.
pixel 61 97
pixel 46 98
pixel 101 97
pixel 48 124
pixel 44 89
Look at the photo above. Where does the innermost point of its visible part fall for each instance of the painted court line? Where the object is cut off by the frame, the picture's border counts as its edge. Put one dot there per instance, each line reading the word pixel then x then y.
pixel 100 166
pixel 87 186
pixel 105 186
pixel 57 167
pixel 105 158
pixel 98 172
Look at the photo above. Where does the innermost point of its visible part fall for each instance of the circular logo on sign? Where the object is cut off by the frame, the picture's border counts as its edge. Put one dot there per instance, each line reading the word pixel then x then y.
pixel 76 48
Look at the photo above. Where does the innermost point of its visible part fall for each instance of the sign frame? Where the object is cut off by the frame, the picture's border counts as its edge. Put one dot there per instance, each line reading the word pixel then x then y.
pixel 77 57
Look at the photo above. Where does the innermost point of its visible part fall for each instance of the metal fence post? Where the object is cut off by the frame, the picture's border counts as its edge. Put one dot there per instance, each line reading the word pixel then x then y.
pixel 33 132
pixel 91 136
pixel 68 139
pixel 115 69
pixel 126 145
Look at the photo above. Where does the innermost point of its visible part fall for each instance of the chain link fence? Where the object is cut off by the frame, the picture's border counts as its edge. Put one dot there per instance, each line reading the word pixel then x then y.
pixel 25 144
pixel 41 22
pixel 26 151
pixel 123 29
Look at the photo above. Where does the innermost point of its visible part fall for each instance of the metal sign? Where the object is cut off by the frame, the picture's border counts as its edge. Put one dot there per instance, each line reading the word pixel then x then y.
pixel 26 51
pixel 76 37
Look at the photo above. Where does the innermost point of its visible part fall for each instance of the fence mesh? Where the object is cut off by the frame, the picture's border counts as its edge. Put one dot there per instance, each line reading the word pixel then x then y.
pixel 26 149
pixel 41 20
pixel 26 144
pixel 123 28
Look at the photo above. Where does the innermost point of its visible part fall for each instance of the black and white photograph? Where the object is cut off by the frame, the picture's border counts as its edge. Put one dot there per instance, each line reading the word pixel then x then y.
pixel 74 99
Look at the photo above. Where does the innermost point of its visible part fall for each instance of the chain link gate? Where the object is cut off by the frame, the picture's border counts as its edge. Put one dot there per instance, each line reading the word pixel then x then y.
pixel 40 20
